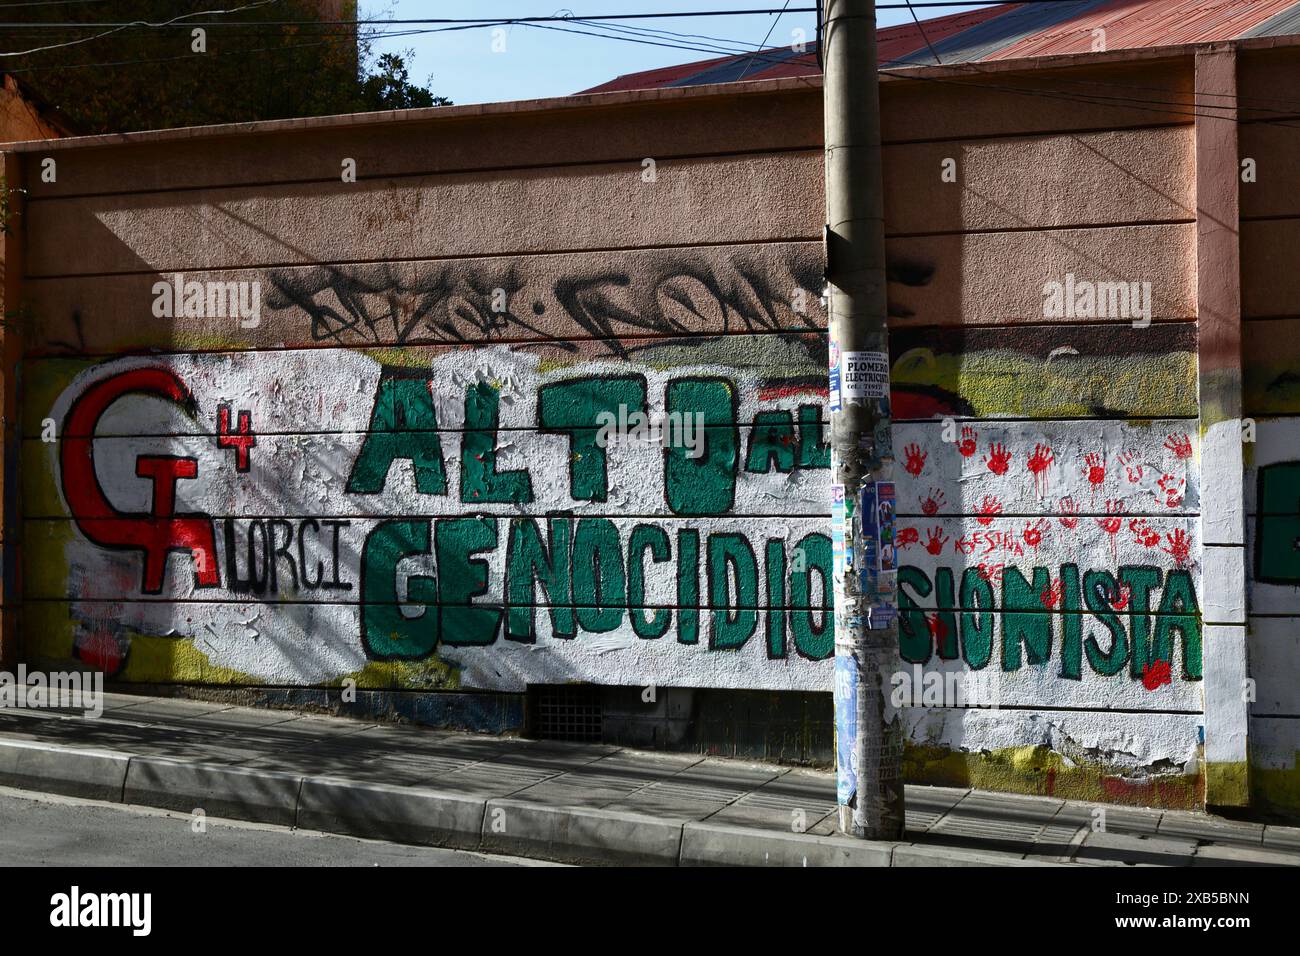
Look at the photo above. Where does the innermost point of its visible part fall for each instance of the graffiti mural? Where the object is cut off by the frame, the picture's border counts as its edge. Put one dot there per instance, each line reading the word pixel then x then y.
pixel 306 516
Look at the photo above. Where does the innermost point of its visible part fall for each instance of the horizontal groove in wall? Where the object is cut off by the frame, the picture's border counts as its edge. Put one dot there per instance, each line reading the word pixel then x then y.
pixel 1040 134
pixel 387 260
pixel 476 509
pixel 806 399
pixel 485 257
pixel 899 328
pixel 124 714
pixel 263 601
pixel 447 345
pixel 936 422
pixel 334 180
pixel 1003 230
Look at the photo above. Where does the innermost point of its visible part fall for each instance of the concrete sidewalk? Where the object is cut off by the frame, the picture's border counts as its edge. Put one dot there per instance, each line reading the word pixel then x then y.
pixel 581 803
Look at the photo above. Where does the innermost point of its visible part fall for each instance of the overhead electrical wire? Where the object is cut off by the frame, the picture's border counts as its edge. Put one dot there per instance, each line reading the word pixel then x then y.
pixel 764 43
pixel 727 48
pixel 140 23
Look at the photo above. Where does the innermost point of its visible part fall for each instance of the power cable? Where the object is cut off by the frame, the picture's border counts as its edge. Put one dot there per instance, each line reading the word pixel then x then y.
pixel 928 46
pixel 764 43
pixel 139 23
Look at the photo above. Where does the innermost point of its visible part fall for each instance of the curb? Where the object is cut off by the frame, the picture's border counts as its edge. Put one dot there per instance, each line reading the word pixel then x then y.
pixel 580 835
pixel 68 771
pixel 436 818
pixel 378 811
pixel 714 844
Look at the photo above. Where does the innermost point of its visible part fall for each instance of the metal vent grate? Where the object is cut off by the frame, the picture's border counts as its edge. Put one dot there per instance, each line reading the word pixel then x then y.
pixel 567 712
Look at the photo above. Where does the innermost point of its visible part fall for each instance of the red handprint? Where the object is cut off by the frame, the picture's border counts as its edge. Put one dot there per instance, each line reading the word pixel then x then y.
pixel 1143 533
pixel 998 459
pixel 908 537
pixel 1052 594
pixel 1132 472
pixel 930 506
pixel 1180 547
pixel 1094 468
pixel 992 573
pixel 967 444
pixel 989 507
pixel 1033 533
pixel 1155 674
pixel 1180 445
pixel 1069 509
pixel 1173 490
pixel 935 540
pixel 915 460
pixel 934 624
pixel 1040 459
pixel 1112 524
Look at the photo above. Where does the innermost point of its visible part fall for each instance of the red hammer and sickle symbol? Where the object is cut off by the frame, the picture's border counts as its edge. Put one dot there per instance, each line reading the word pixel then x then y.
pixel 162 531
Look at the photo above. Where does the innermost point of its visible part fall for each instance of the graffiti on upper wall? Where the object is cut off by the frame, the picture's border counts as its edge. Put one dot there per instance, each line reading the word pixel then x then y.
pixel 667 293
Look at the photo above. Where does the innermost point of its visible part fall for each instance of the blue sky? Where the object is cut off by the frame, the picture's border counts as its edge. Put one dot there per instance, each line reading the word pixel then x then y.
pixel 547 62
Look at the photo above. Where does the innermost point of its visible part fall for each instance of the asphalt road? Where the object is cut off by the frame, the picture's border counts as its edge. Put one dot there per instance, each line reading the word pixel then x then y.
pixel 38 829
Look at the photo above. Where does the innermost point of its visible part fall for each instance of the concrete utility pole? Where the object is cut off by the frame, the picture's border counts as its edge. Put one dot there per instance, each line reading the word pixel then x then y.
pixel 868 730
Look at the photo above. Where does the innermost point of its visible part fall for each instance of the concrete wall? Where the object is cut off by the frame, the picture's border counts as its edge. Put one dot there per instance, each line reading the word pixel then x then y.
pixel 387 479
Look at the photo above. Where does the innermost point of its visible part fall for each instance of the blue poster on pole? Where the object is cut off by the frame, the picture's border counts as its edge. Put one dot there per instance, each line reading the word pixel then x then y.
pixel 846 725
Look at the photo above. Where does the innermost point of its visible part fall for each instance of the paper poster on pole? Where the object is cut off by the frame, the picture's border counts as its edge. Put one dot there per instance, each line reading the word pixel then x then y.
pixel 864 375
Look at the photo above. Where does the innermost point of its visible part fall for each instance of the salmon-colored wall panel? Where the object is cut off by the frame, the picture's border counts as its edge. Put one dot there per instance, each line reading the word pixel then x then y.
pixel 446 142
pixel 1276 189
pixel 608 206
pixel 1270 280
pixel 965 102
pixel 1064 179
pixel 998 277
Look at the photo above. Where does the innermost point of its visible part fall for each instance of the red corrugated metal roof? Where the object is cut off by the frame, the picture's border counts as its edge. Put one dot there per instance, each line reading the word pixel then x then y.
pixel 1129 24
pixel 1004 32
pixel 894 42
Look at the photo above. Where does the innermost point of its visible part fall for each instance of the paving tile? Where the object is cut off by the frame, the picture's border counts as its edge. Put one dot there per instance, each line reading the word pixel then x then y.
pixel 558 792
pixel 829 825
pixel 237 718
pixel 1135 849
pixel 1219 855
pixel 1009 806
pixel 163 710
pixel 1131 820
pixel 781 804
pixel 674 802
pixel 926 806
pixel 497 779
pixel 1202 826
pixel 970 828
